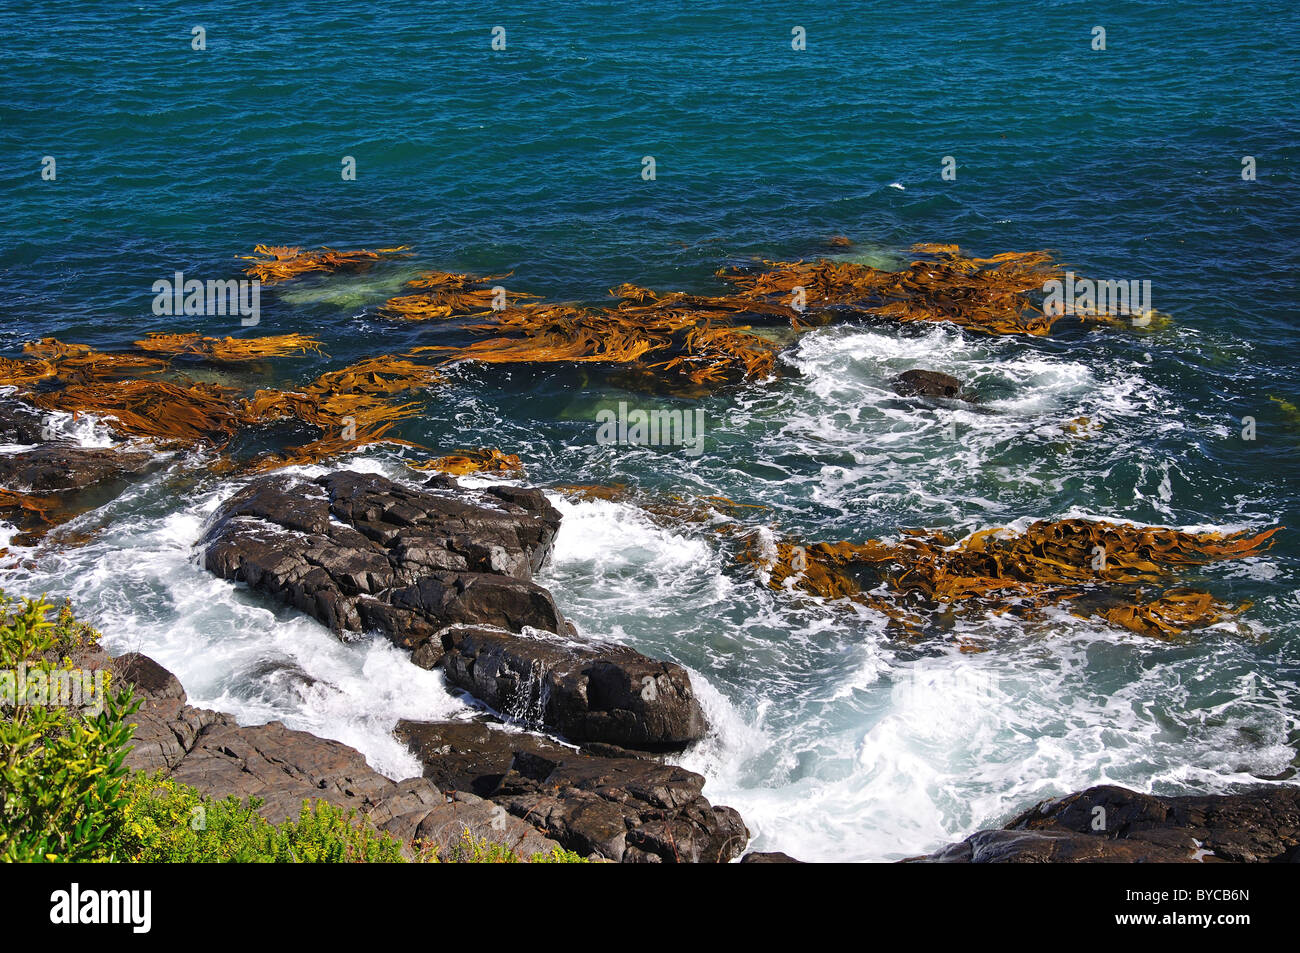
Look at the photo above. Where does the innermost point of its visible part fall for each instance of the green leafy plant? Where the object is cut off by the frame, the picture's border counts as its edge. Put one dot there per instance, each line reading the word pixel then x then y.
pixel 61 769
pixel 168 822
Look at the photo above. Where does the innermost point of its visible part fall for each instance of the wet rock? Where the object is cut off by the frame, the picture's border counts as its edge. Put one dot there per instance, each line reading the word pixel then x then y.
pixel 921 383
pixel 628 810
pixel 284 768
pixel 586 691
pixel 65 467
pixel 469 755
pixel 775 857
pixel 20 423
pixel 1109 824
pixel 360 552
pixel 621 809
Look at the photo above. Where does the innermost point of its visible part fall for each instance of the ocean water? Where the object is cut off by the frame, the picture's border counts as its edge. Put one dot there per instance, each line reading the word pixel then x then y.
pixel 834 741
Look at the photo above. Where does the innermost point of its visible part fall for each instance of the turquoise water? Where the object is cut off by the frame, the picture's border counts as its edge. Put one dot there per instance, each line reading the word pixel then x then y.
pixel 833 741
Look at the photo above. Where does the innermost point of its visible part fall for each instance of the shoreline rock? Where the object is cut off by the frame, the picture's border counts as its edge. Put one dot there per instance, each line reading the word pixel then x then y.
pixel 586 691
pixel 1110 824
pixel 446 572
pixel 624 809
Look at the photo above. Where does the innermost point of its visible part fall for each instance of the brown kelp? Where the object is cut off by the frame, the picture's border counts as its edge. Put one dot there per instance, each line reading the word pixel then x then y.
pixel 441 294
pixel 175 415
pixel 482 460
pixel 83 364
pixel 353 407
pixel 995 295
pixel 1097 567
pixel 275 263
pixel 682 335
pixel 230 350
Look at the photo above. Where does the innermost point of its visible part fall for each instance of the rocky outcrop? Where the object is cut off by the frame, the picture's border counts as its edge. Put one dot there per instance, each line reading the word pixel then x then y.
pixel 612 805
pixel 922 383
pixel 65 467
pixel 20 423
pixel 1109 824
pixel 447 573
pixel 359 552
pixel 282 767
pixel 586 691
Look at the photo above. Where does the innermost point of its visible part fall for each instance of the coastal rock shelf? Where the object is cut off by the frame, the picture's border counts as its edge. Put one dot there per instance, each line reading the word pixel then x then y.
pixel 1109 824
pixel 598 800
pixel 585 691
pixel 513 788
pixel 213 753
pixel 446 572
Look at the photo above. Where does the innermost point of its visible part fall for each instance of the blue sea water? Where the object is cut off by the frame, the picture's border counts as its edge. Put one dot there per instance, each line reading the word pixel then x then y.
pixel 833 741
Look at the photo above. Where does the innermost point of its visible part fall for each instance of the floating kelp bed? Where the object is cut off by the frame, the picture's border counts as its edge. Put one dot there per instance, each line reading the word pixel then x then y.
pixel 482 460
pixel 445 294
pixel 997 295
pixel 1113 570
pixel 351 407
pixel 230 350
pixel 275 263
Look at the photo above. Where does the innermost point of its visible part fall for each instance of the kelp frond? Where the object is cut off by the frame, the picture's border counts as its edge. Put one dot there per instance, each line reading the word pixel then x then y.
pixel 1049 562
pixel 482 460
pixel 230 350
pixel 275 263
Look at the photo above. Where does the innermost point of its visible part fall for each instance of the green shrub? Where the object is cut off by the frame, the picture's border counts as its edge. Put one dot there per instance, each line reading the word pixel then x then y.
pixel 167 822
pixel 61 768
pixel 469 850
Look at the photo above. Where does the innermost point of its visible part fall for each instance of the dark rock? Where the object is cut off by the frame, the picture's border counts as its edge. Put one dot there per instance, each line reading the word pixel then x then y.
pixel 359 552
pixel 775 857
pixel 920 383
pixel 626 809
pixel 587 691
pixel 1109 824
pixel 20 423
pixel 469 755
pixel 621 809
pixel 284 768
pixel 65 467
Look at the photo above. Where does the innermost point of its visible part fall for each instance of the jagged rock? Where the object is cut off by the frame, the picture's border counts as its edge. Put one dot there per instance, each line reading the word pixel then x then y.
pixel 1109 824
pixel 586 691
pixel 468 755
pixel 358 552
pixel 20 423
pixel 214 754
pixel 65 467
pixel 921 383
pixel 622 809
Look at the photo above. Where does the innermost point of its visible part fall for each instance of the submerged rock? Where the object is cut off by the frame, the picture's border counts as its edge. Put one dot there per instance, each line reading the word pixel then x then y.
pixel 1109 824
pixel 20 423
pixel 626 809
pixel 66 468
pixel 921 383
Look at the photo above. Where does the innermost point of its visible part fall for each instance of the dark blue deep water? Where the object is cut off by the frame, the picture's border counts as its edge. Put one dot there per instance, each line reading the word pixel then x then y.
pixel 832 740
